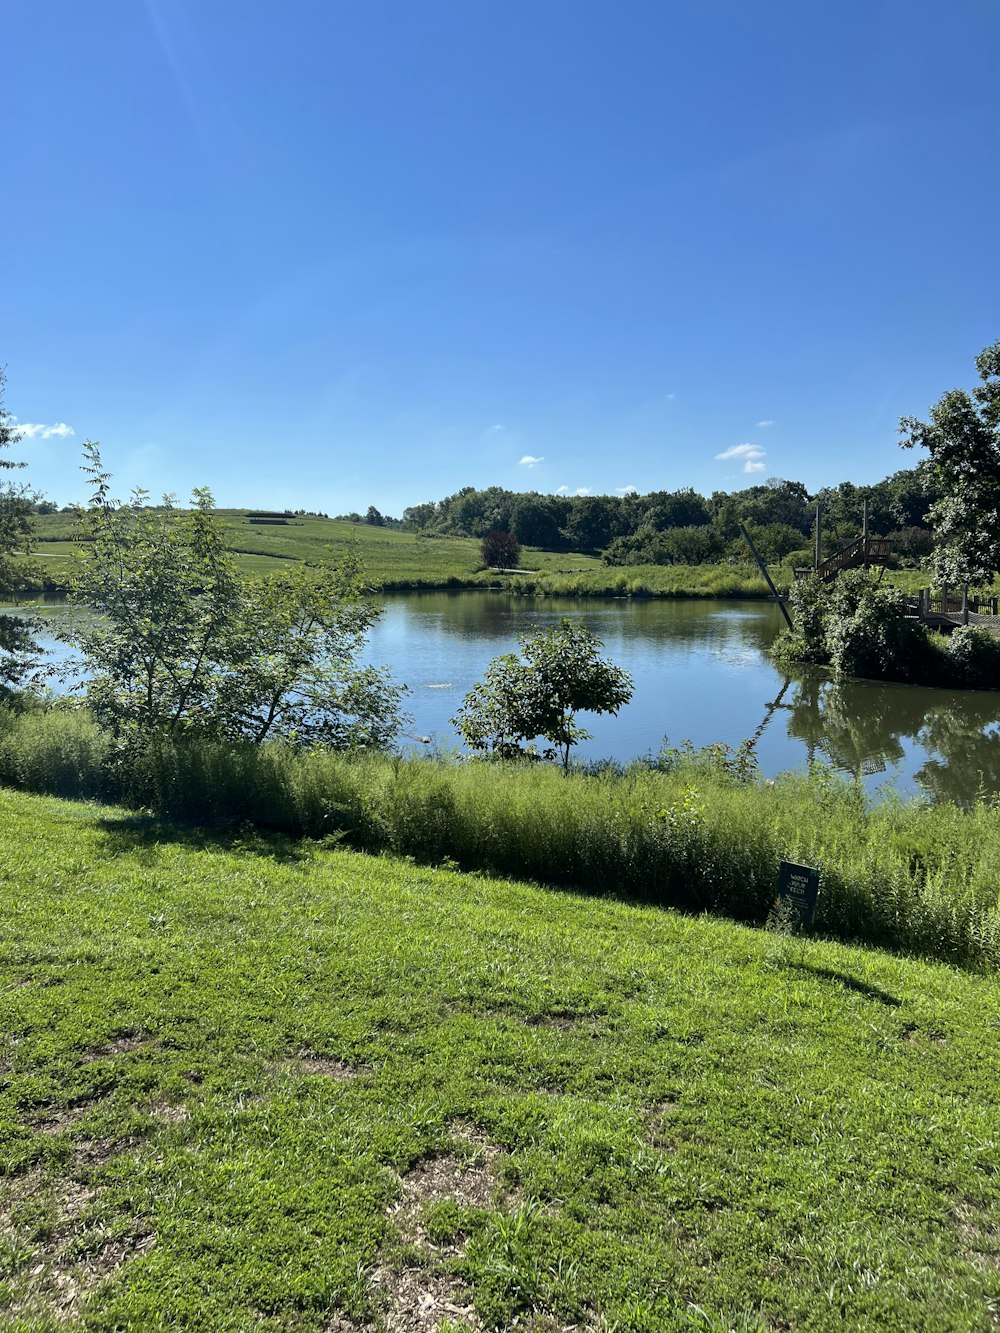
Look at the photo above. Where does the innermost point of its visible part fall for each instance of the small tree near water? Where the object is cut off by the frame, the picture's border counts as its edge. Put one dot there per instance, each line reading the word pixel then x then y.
pixel 500 550
pixel 186 644
pixel 561 675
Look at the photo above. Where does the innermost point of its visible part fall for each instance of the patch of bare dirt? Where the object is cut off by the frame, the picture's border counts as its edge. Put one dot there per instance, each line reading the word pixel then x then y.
pixel 588 1024
pixel 420 1301
pixel 121 1045
pixel 57 1280
pixel 60 1119
pixel 660 1133
pixel 467 1178
pixel 979 1232
pixel 308 1062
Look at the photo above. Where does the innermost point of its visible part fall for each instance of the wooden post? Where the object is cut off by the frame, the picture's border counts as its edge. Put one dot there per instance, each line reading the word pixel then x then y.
pixel 965 603
pixel 818 558
pixel 767 577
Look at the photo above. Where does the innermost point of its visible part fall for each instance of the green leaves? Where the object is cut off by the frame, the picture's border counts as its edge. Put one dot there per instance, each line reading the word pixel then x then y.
pixel 16 509
pixel 520 701
pixel 962 438
pixel 186 643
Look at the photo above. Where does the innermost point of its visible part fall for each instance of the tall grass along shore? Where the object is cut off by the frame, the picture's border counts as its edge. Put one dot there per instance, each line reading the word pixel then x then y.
pixel 903 875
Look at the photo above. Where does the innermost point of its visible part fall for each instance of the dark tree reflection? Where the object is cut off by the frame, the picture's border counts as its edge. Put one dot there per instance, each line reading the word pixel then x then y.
pixel 864 727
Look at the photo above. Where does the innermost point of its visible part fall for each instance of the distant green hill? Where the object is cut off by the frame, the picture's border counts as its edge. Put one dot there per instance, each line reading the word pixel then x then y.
pixel 395 560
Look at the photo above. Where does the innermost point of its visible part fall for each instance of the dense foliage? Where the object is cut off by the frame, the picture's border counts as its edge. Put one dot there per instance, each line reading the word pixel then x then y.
pixel 683 527
pixel 962 439
pixel 561 675
pixel 186 643
pixel 16 524
pixel 858 626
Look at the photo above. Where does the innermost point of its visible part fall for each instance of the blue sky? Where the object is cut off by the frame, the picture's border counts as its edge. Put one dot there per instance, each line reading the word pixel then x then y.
pixel 325 254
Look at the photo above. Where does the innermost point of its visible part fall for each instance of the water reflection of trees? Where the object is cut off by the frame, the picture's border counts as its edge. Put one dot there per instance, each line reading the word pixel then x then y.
pixel 496 616
pixel 863 726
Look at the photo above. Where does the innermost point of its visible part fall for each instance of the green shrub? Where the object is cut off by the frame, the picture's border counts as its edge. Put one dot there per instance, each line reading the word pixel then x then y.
pixel 974 657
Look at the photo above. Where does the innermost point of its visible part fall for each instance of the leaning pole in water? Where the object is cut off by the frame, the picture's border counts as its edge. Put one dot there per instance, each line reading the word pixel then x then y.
pixel 763 569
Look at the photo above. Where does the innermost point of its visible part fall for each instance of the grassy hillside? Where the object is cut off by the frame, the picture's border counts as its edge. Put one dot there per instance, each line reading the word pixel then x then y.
pixel 393 559
pixel 257 1084
pixel 402 560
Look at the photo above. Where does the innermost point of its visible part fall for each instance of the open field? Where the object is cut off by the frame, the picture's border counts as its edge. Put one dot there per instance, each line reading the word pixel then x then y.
pixel 402 560
pixel 253 1083
pixel 394 560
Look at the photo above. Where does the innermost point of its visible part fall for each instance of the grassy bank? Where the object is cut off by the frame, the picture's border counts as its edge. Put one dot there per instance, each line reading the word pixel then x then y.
pixel 907 876
pixel 253 1084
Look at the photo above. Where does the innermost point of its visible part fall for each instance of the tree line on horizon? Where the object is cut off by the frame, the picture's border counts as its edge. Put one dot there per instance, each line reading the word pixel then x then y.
pixel 683 526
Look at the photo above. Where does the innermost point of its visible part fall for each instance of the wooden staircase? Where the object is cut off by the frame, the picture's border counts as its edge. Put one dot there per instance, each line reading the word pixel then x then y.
pixel 861 551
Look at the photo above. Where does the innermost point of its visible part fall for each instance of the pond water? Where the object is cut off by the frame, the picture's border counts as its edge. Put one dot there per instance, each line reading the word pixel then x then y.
pixel 702 674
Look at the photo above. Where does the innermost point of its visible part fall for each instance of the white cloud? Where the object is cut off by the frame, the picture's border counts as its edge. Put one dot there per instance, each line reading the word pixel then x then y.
pixel 750 454
pixel 562 490
pixel 568 490
pixel 582 490
pixel 763 425
pixel 627 490
pixel 529 460
pixel 33 430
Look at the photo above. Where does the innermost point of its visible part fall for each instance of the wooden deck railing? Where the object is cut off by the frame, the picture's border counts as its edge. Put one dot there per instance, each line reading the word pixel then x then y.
pixel 861 551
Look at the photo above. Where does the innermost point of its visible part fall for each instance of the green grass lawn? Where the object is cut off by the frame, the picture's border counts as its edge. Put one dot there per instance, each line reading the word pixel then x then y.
pixel 252 1084
pixel 400 560
pixel 392 559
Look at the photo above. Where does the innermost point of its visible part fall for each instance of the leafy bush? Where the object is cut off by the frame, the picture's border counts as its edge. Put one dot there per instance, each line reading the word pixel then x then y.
pixel 974 656
pixel 868 632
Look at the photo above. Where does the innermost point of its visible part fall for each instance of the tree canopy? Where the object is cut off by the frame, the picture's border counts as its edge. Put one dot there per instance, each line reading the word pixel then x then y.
pixel 561 675
pixel 186 643
pixel 962 439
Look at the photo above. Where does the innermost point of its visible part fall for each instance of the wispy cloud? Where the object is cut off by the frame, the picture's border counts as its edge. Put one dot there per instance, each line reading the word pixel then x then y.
pixel 751 456
pixel 33 430
pixel 627 490
pixel 529 460
pixel 568 490
pixel 763 425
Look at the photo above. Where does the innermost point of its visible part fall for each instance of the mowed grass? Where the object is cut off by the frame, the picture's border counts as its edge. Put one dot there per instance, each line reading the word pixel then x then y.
pixel 401 560
pixel 257 1083
pixel 393 560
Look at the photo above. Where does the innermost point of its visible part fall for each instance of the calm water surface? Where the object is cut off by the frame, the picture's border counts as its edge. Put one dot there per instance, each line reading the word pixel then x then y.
pixel 701 673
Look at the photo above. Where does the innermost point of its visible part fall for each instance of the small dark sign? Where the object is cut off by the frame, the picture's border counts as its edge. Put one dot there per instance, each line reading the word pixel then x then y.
pixel 798 886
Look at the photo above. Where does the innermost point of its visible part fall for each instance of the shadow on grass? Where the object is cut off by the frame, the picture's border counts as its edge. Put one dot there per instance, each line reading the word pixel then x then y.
pixel 845 979
pixel 142 835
